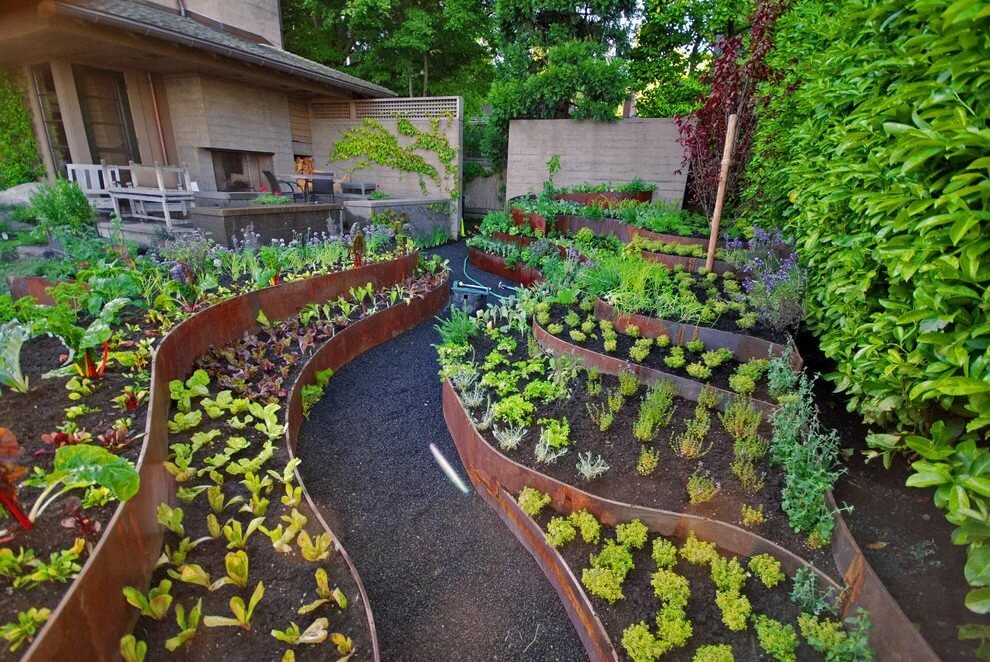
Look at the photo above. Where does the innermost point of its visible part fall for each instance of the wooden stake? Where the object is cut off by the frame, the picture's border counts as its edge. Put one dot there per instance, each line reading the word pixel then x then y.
pixel 730 137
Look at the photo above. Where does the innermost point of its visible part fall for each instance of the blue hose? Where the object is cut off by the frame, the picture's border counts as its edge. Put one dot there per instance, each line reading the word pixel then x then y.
pixel 479 284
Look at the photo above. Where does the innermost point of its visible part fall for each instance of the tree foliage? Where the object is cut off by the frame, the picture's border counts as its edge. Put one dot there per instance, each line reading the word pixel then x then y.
pixel 675 45
pixel 731 81
pixel 557 60
pixel 19 160
pixel 414 47
pixel 872 150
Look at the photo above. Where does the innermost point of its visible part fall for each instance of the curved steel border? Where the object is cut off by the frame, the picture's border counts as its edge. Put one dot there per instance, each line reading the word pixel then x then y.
pixel 743 346
pixel 496 477
pixel 92 617
pixel 687 388
pixel 495 264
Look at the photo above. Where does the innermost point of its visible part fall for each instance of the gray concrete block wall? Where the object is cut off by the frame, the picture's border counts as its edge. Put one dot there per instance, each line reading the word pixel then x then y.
pixel 596 152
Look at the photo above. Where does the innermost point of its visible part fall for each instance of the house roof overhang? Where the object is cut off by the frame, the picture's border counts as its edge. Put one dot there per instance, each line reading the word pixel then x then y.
pixel 132 34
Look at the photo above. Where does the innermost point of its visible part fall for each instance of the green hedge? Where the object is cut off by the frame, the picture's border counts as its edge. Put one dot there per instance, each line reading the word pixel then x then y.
pixel 877 161
pixel 19 160
pixel 873 150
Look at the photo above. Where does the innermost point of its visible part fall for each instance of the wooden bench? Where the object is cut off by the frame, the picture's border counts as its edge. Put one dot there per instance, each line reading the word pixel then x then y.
pixel 177 199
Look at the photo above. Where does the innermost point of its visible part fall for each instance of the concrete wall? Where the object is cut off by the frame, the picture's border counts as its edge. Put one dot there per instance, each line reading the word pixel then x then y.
pixel 424 215
pixel 260 17
pixel 211 113
pixel 596 152
pixel 396 183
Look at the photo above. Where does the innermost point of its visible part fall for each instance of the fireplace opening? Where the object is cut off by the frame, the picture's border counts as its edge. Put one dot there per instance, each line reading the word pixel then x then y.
pixel 240 171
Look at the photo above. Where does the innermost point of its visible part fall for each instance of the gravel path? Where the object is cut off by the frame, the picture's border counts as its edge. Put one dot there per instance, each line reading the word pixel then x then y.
pixel 446 579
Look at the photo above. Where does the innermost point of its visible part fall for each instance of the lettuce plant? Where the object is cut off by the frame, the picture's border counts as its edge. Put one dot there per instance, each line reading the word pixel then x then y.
pixel 154 605
pixel 314 634
pixel 188 624
pixel 27 625
pixel 132 650
pixel 242 613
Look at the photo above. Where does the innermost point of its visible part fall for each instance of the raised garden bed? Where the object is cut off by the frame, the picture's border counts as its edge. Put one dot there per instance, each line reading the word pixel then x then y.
pixel 605 198
pixel 745 347
pixel 354 328
pixel 495 264
pixel 131 541
pixel 537 411
pixel 497 477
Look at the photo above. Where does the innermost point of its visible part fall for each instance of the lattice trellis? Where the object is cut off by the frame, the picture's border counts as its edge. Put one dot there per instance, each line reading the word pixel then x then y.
pixel 386 109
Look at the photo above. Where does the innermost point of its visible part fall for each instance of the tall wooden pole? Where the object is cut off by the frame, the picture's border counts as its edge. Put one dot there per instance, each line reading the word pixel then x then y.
pixel 730 138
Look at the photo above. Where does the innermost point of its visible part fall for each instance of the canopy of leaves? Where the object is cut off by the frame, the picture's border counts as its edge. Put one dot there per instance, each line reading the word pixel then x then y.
pixel 19 160
pixel 674 46
pixel 557 61
pixel 872 150
pixel 414 47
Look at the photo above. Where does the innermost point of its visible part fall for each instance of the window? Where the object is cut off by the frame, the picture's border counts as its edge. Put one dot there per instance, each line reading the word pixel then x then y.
pixel 51 115
pixel 106 115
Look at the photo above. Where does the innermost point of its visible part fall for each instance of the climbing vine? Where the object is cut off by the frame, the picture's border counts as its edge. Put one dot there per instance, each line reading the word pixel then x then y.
pixel 19 160
pixel 373 144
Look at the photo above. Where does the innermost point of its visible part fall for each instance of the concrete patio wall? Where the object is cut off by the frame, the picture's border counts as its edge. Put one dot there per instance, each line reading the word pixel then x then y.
pixel 596 152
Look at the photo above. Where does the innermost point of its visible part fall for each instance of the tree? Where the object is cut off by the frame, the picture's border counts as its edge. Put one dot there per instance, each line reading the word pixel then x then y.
pixel 732 82
pixel 410 46
pixel 675 45
pixel 556 60
pixel 19 160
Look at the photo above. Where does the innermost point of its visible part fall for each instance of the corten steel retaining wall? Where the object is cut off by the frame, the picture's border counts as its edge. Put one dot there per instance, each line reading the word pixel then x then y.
pixel 496 477
pixel 598 153
pixel 31 286
pixel 688 389
pixel 495 264
pixel 743 346
pixel 92 616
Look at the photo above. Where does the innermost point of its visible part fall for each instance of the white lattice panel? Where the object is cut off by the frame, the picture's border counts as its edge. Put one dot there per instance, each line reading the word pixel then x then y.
pixel 386 109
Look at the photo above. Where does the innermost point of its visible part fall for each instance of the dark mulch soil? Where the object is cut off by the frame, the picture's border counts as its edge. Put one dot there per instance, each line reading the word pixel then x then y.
pixel 720 375
pixel 666 488
pixel 40 411
pixel 904 536
pixel 446 579
pixel 641 603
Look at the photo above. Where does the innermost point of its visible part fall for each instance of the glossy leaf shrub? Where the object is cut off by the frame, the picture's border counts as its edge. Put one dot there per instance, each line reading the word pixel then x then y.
pixel 872 150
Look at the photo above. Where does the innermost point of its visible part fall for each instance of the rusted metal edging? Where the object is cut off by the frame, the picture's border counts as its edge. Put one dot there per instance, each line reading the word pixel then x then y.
pixel 744 347
pixel 92 617
pixel 495 264
pixel 687 388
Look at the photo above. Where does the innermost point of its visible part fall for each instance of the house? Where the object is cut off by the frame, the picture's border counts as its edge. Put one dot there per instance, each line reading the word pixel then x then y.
pixel 201 83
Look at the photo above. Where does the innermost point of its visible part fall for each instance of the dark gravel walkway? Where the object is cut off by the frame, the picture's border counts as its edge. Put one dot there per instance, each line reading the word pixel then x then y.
pixel 446 579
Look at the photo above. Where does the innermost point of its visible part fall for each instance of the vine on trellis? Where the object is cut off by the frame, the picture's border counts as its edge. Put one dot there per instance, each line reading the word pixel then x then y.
pixel 376 145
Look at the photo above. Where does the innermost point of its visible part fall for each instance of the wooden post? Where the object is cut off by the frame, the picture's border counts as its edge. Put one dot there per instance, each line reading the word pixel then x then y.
pixel 730 137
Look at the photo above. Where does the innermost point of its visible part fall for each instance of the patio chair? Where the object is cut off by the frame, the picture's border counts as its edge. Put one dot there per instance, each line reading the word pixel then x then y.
pixel 323 187
pixel 284 187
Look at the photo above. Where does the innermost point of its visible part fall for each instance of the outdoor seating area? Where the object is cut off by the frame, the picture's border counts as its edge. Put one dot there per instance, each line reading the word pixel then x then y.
pixel 608 331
